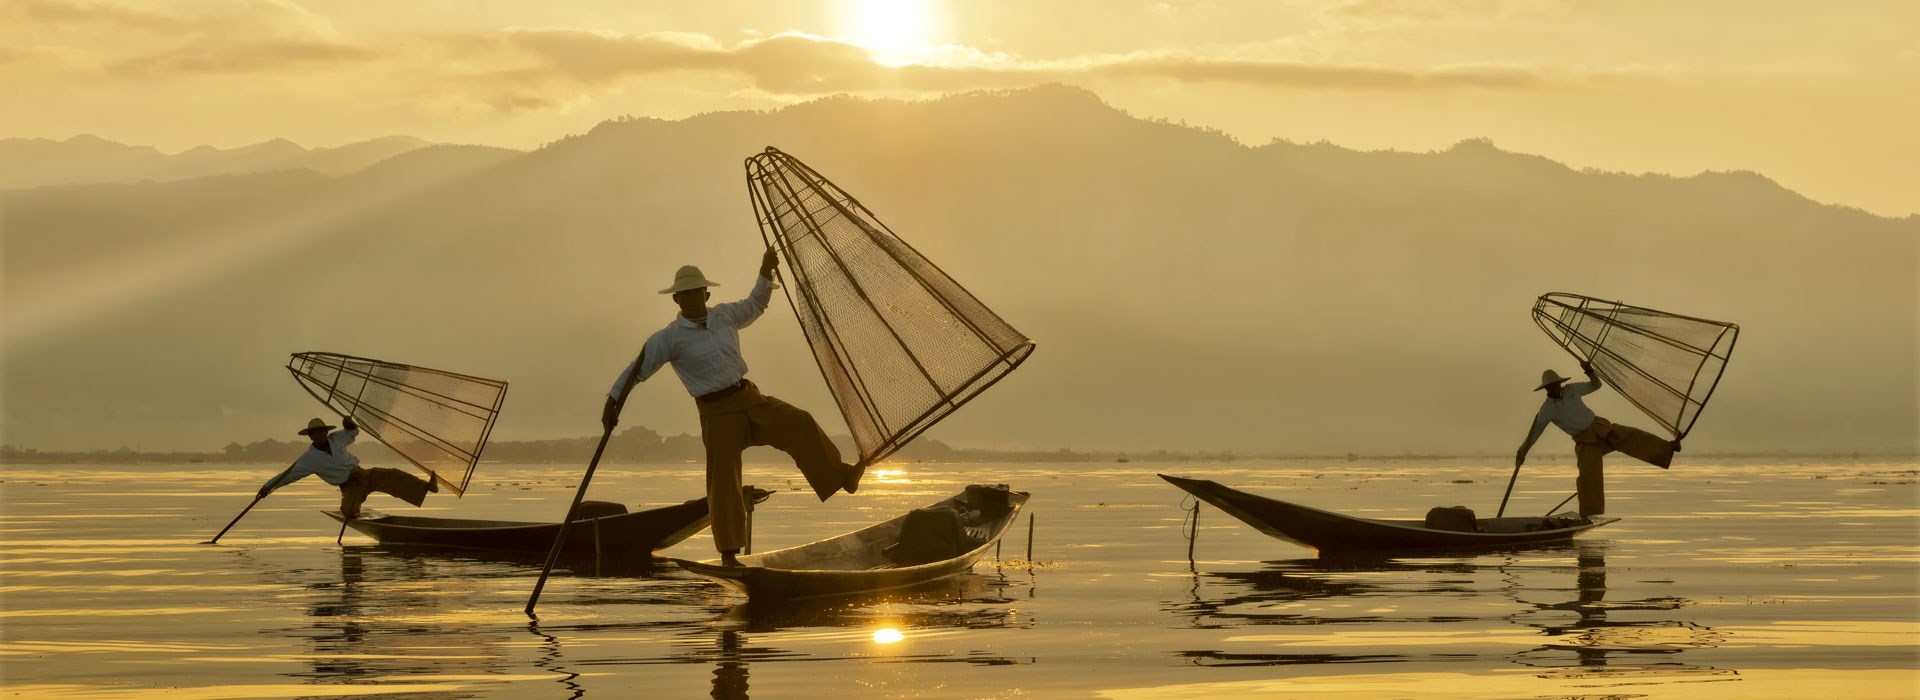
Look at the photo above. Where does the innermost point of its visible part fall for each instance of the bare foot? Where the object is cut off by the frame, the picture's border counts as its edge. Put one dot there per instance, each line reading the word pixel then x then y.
pixel 852 484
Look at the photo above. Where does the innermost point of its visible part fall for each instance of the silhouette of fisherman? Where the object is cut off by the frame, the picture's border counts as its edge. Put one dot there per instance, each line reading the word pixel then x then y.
pixel 329 459
pixel 703 345
pixel 1593 436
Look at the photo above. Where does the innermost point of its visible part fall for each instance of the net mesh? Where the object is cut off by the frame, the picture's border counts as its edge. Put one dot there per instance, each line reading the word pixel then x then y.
pixel 1665 364
pixel 900 343
pixel 437 420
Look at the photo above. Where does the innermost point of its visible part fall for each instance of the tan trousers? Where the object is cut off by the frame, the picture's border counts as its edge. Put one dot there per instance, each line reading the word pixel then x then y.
pixel 393 482
pixel 747 418
pixel 1593 444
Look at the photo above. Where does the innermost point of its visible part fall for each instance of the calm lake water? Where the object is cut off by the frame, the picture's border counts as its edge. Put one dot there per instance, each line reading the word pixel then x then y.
pixel 1727 578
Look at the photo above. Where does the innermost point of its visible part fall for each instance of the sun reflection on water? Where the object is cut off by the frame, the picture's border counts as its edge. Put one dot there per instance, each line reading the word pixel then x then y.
pixel 887 636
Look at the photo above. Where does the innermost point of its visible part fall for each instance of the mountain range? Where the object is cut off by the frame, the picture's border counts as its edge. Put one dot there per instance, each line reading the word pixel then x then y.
pixel 1186 290
pixel 89 159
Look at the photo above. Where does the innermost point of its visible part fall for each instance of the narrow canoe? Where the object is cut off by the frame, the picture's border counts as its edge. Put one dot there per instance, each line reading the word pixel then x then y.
pixel 853 562
pixel 1336 534
pixel 627 534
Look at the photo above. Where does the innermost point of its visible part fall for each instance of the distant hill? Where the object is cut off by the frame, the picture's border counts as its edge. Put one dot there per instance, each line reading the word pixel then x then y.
pixel 88 159
pixel 1187 291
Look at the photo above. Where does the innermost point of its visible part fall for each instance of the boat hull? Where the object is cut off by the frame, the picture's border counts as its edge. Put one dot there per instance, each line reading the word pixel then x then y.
pixel 1335 534
pixel 848 564
pixel 629 534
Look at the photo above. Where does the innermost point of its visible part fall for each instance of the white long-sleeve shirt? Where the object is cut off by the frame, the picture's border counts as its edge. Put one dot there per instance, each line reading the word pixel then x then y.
pixel 1568 412
pixel 707 357
pixel 331 468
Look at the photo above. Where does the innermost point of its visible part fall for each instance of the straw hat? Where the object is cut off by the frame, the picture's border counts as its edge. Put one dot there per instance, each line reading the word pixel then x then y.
pixel 688 277
pixel 316 424
pixel 1549 378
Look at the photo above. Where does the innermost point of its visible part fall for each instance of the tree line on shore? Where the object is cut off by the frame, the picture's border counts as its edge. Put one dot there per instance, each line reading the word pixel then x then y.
pixel 633 444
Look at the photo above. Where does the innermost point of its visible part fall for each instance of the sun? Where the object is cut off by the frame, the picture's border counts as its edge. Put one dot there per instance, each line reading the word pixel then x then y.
pixel 896 31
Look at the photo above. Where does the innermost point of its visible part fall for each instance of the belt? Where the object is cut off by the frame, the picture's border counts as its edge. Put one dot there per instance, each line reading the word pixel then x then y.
pixel 721 394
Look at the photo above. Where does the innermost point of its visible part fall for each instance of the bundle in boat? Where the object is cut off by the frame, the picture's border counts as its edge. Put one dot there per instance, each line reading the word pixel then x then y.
pixel 437 420
pixel 1666 364
pixel 900 343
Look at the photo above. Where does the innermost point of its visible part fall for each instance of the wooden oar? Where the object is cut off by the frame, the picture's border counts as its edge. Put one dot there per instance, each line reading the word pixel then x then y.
pixel 243 511
pixel 561 539
pixel 1503 499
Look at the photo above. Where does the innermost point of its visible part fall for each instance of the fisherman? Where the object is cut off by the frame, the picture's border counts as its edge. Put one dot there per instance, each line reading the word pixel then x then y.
pixel 330 459
pixel 703 345
pixel 1593 436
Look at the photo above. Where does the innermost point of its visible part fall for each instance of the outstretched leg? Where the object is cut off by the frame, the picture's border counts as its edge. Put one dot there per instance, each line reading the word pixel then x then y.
pixel 398 484
pixel 1640 444
pixel 786 428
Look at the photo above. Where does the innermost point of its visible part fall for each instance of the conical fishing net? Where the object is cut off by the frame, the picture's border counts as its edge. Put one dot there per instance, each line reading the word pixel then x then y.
pixel 901 344
pixel 437 420
pixel 1666 364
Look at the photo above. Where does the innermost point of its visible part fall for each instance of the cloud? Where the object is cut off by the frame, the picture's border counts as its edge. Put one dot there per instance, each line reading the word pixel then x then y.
pixel 278 17
pixel 565 61
pixel 512 71
pixel 1274 74
pixel 259 56
pixel 188 37
pixel 1442 10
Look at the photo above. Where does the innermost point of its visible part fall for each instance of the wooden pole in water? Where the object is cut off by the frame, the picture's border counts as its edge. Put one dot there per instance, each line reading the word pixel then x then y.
pixel 1029 538
pixel 1195 536
pixel 560 540
pixel 1563 503
pixel 243 511
pixel 596 546
pixel 1503 499
pixel 235 521
pixel 343 528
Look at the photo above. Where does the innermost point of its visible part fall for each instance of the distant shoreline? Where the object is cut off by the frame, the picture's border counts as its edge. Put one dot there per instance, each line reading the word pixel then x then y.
pixel 635 447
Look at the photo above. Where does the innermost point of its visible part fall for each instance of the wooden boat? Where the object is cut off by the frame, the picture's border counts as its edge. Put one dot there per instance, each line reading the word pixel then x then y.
pixel 624 534
pixel 855 562
pixel 1336 534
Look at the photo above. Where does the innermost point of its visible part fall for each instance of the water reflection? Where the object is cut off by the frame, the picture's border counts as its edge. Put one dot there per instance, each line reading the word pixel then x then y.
pixel 730 673
pixel 920 624
pixel 1596 644
pixel 550 660
pixel 1282 593
pixel 1438 606
pixel 384 617
pixel 966 601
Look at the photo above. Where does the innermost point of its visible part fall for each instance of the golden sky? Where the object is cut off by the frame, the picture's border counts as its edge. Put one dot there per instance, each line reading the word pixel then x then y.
pixel 1821 96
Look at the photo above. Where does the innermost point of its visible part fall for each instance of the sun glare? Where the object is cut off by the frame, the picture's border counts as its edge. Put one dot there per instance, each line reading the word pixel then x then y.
pixel 887 636
pixel 895 30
